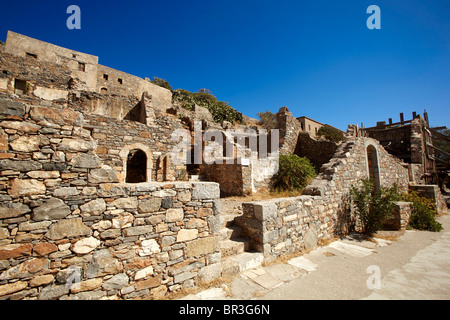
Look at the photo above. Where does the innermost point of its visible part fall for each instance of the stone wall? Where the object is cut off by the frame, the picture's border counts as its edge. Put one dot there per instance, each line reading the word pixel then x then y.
pixel 318 152
pixel 283 226
pixel 65 220
pixel 432 192
pixel 289 128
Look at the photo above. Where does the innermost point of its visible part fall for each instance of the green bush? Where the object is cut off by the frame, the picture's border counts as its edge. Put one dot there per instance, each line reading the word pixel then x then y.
pixel 423 212
pixel 185 97
pixel 220 110
pixel 294 173
pixel 267 120
pixel 161 82
pixel 373 207
pixel 330 133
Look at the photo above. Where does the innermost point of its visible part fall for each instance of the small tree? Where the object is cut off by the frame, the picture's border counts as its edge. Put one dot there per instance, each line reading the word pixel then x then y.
pixel 294 173
pixel 267 119
pixel 423 212
pixel 330 133
pixel 373 207
pixel 161 82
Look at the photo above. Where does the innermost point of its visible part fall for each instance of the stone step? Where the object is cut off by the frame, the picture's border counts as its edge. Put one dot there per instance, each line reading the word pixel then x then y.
pixel 233 247
pixel 227 220
pixel 242 262
pixel 229 233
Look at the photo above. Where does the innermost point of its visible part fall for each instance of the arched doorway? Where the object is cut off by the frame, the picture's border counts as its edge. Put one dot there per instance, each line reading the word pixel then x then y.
pixel 136 166
pixel 137 160
pixel 372 165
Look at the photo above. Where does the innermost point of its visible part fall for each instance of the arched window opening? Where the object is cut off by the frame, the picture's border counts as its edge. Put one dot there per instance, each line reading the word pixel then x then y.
pixel 372 162
pixel 136 166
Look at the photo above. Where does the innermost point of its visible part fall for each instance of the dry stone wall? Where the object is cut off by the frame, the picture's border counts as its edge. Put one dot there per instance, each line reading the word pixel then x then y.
pixel 69 230
pixel 282 226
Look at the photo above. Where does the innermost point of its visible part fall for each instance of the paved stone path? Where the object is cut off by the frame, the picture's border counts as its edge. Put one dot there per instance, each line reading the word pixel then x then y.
pixel 415 266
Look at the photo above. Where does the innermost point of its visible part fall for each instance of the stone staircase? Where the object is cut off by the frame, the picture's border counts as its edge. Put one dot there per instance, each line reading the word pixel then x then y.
pixel 237 255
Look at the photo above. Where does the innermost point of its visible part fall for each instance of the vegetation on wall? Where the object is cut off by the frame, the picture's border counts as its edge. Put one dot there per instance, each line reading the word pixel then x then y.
pixel 423 212
pixel 373 207
pixel 220 110
pixel 330 133
pixel 294 173
pixel 267 120
pixel 161 82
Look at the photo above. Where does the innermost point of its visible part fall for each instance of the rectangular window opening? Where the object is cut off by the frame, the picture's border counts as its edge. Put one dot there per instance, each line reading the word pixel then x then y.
pixel 81 67
pixel 20 86
pixel 120 81
pixel 105 76
pixel 31 55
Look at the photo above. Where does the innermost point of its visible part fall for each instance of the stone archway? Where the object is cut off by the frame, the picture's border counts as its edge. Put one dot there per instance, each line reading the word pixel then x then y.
pixel 134 156
pixel 373 167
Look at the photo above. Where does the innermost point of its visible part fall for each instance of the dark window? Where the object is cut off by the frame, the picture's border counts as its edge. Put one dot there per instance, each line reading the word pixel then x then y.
pixel 103 90
pixel 5 71
pixel 120 81
pixel 136 167
pixel 81 66
pixel 20 86
pixel 32 55
pixel 105 76
pixel 74 56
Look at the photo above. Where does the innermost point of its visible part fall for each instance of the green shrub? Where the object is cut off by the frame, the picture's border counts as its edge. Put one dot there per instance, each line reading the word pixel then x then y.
pixel 330 133
pixel 373 207
pixel 161 82
pixel 423 212
pixel 267 120
pixel 220 110
pixel 294 173
pixel 185 97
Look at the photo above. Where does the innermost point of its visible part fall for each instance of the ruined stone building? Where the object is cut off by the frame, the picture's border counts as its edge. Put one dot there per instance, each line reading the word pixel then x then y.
pixel 93 206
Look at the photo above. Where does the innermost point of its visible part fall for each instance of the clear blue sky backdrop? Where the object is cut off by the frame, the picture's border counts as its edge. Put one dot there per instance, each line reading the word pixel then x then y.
pixel 318 58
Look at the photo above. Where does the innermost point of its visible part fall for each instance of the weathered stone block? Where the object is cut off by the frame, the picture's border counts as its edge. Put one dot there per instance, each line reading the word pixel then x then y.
pixel 85 160
pixel 20 188
pixel 173 215
pixel 105 174
pixel 76 145
pixel 51 209
pixel 149 247
pixel 137 231
pixel 12 287
pixel 11 109
pixel 67 229
pixel 15 250
pixel 66 192
pixel 150 205
pixel 20 165
pixel 12 210
pixel 205 190
pixel 202 246
pixel 126 203
pixel 116 282
pixel 57 116
pixel 85 245
pixel 103 263
pixel 53 292
pixel 187 234
pixel 94 207
pixel 266 211
pixel 28 143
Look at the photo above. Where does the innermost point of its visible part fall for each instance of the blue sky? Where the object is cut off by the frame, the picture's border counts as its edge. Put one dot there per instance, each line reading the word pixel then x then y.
pixel 318 58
